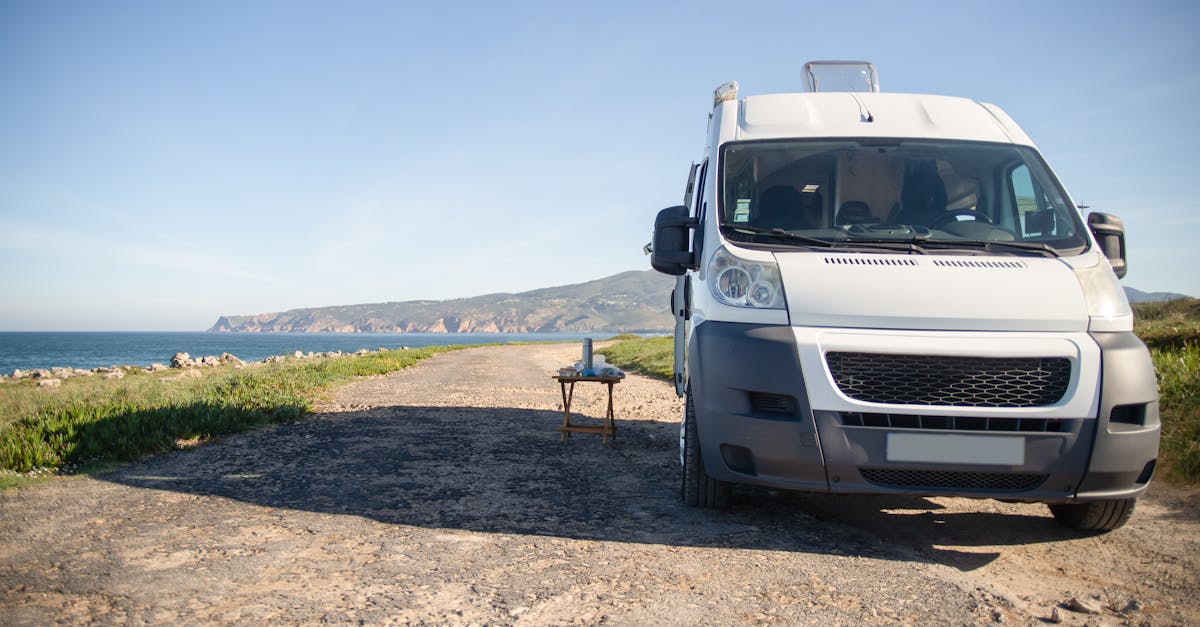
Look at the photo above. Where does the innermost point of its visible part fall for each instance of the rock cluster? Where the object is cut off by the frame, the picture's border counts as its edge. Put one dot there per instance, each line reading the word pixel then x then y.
pixel 54 376
pixel 277 359
pixel 184 360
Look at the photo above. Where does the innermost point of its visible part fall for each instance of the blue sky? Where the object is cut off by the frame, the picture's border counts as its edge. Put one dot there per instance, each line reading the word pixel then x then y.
pixel 163 163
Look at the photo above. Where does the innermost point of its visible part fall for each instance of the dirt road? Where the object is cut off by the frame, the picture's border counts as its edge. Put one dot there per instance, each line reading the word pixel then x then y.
pixel 442 494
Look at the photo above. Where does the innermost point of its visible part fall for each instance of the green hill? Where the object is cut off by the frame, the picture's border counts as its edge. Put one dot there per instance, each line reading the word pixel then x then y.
pixel 627 302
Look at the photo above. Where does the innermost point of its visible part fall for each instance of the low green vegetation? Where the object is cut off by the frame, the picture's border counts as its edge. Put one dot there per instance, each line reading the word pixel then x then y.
pixel 652 356
pixel 88 421
pixel 1171 329
pixel 1169 324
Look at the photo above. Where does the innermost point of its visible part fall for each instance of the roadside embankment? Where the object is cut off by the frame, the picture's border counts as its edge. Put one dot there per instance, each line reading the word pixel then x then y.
pixel 124 413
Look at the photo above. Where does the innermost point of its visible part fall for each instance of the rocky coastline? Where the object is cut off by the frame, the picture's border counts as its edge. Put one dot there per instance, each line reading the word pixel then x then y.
pixel 187 366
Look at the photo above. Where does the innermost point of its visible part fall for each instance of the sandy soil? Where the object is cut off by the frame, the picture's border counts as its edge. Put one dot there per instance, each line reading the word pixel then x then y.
pixel 442 494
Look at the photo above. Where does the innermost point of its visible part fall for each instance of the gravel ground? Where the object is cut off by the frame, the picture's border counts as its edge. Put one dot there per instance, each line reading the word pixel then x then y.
pixel 441 494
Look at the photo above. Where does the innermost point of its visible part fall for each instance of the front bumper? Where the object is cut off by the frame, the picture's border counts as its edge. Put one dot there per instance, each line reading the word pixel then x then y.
pixel 769 414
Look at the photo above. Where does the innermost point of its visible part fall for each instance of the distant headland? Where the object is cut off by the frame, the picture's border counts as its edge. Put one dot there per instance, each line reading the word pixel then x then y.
pixel 629 302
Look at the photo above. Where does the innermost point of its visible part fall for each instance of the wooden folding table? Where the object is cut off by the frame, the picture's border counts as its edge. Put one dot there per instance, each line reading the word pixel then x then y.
pixel 608 428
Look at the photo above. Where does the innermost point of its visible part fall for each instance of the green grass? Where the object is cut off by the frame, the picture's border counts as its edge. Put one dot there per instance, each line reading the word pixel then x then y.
pixel 1169 324
pixel 1179 404
pixel 1171 330
pixel 88 421
pixel 652 357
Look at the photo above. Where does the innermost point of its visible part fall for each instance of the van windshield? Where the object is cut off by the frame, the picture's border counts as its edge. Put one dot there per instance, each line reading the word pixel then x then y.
pixel 886 190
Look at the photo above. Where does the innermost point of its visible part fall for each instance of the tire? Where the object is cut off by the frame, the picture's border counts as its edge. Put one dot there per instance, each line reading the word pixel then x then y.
pixel 1094 516
pixel 698 489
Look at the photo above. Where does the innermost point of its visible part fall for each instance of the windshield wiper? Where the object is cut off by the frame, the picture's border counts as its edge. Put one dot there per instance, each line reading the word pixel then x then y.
pixel 782 234
pixel 876 246
pixel 987 245
pixel 913 245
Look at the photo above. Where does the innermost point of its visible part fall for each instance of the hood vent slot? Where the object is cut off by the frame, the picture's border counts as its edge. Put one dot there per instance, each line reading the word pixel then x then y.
pixel 974 263
pixel 870 261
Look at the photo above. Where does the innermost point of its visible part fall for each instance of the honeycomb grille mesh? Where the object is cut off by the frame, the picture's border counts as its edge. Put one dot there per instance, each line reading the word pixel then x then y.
pixel 954 480
pixel 949 380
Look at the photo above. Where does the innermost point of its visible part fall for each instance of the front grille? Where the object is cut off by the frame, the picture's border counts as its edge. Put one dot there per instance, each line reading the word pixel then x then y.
pixel 953 480
pixel 956 423
pixel 949 380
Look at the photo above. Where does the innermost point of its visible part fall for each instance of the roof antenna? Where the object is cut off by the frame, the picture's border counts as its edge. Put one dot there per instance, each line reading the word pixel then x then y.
pixel 864 114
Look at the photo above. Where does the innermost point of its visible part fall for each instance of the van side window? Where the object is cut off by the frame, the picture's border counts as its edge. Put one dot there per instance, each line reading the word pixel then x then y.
pixel 698 206
pixel 1035 216
pixel 690 188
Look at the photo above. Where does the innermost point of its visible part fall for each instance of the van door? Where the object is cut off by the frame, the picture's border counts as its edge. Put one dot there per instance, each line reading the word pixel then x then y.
pixel 681 301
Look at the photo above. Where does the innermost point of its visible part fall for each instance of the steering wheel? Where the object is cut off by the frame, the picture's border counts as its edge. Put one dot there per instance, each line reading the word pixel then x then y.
pixel 953 215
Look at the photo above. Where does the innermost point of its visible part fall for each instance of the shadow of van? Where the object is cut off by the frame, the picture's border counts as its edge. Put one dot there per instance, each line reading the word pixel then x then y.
pixel 504 470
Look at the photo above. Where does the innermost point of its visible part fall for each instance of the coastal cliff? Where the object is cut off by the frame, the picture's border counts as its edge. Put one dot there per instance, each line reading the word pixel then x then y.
pixel 627 302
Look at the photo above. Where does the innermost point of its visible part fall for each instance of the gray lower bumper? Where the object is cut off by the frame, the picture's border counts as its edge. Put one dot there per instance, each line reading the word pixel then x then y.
pixel 756 427
pixel 1124 453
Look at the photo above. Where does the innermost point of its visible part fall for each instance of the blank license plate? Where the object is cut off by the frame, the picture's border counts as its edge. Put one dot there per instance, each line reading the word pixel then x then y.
pixel 956 449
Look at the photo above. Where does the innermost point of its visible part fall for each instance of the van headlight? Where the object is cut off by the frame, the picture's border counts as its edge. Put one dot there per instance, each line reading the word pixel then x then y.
pixel 1108 309
pixel 741 283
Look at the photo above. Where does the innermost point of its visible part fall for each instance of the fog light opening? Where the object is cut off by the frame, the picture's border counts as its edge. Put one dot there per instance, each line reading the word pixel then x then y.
pixel 1147 472
pixel 739 459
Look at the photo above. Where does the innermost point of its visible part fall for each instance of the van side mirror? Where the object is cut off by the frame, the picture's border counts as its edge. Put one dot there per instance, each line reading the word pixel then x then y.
pixel 670 251
pixel 1110 234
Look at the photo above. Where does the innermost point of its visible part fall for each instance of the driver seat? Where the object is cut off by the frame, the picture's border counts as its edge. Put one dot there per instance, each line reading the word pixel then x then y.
pixel 922 199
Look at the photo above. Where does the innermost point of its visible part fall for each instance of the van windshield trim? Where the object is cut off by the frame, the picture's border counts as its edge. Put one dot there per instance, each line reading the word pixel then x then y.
pixel 979 181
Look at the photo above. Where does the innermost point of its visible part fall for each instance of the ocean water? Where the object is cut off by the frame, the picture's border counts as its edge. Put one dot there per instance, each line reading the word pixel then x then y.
pixel 89 350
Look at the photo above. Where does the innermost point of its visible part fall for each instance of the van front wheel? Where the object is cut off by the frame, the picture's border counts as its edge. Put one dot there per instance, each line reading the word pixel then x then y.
pixel 1094 516
pixel 699 490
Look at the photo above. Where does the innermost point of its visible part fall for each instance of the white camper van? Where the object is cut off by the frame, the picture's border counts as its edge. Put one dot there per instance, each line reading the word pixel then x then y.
pixel 892 293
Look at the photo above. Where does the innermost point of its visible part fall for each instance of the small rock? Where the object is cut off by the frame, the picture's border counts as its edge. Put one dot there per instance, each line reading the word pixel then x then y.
pixel 156 367
pixel 403 348
pixel 182 360
pixel 298 355
pixel 383 349
pixel 1133 605
pixel 115 373
pixel 1082 606
pixel 49 383
pixel 226 358
pixel 1055 616
pixel 209 360
pixel 19 374
pixel 62 373
pixel 361 351
pixel 40 374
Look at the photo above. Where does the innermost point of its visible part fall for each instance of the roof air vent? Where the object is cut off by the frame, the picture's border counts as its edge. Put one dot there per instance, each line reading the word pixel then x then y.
pixel 841 76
